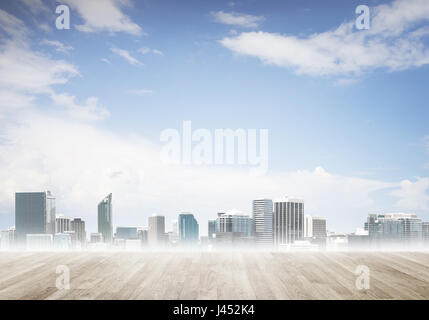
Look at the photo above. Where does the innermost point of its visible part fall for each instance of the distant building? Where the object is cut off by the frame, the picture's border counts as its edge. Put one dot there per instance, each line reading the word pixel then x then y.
pixel 62 241
pixel 288 220
pixel 425 231
pixel 358 240
pixel 156 232
pixel 7 239
pixel 78 226
pixel 315 230
pixel 62 224
pixel 105 226
pixel 188 228
pixel 263 221
pixel 96 237
pixel 126 233
pixel 39 242
pixel 211 229
pixel 34 214
pixel 394 229
pixel 234 227
pixel 142 235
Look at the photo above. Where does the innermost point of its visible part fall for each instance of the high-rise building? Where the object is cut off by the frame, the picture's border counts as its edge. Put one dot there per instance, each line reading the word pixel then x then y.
pixel 288 220
pixel 78 226
pixel 394 229
pixel 105 226
pixel 188 228
pixel 425 231
pixel 263 221
pixel 34 214
pixel 62 224
pixel 234 227
pixel 156 232
pixel 211 229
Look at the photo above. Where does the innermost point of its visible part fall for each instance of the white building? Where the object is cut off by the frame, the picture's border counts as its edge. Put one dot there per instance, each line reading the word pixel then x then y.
pixel 263 221
pixel 288 220
pixel 62 224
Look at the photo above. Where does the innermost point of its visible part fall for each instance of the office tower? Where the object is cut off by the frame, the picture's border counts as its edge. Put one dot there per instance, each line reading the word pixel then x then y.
pixel 105 226
pixel 142 235
pixel 308 226
pixel 175 226
pixel 211 229
pixel 263 221
pixel 233 227
pixel 394 229
pixel 318 227
pixel 425 232
pixel 34 214
pixel 62 224
pixel 156 232
pixel 96 237
pixel 78 226
pixel 288 220
pixel 188 228
pixel 126 233
pixel 39 242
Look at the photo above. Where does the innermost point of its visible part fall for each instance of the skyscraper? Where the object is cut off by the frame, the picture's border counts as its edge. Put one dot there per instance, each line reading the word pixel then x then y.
pixel 105 226
pixel 188 228
pixel 288 220
pixel 263 221
pixel 34 214
pixel 211 229
pixel 314 227
pixel 234 227
pixel 78 226
pixel 156 232
pixel 62 224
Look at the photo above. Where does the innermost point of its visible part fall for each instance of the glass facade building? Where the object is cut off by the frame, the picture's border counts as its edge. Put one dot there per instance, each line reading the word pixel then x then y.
pixel 105 226
pixel 288 220
pixel 188 228
pixel 34 214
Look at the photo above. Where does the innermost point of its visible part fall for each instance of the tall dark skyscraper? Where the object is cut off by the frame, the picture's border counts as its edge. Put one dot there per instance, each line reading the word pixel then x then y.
pixel 34 214
pixel 105 226
pixel 188 228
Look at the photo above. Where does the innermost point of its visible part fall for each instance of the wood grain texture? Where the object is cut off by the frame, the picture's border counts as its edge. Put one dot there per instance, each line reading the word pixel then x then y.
pixel 214 275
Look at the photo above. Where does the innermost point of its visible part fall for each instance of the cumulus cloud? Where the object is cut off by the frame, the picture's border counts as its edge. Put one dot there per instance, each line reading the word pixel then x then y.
pixel 90 111
pixel 28 74
pixel 127 56
pixel 104 15
pixel 412 195
pixel 394 42
pixel 237 19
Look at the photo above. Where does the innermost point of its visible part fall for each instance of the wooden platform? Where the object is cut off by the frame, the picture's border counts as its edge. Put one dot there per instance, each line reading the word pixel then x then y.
pixel 214 275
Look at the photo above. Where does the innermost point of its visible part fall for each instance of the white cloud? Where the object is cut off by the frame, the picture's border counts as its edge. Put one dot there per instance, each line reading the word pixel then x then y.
pixel 392 43
pixel 127 56
pixel 29 74
pixel 237 19
pixel 146 50
pixel 104 15
pixel 412 195
pixel 59 46
pixel 36 6
pixel 105 60
pixel 90 111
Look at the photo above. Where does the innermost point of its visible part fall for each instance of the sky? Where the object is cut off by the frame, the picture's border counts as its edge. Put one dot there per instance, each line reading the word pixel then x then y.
pixel 82 110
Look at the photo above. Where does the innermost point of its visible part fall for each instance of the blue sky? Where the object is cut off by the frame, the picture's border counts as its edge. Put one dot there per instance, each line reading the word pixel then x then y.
pixel 345 110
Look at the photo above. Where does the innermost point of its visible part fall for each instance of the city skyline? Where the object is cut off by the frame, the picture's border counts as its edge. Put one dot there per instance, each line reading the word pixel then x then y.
pixel 346 122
